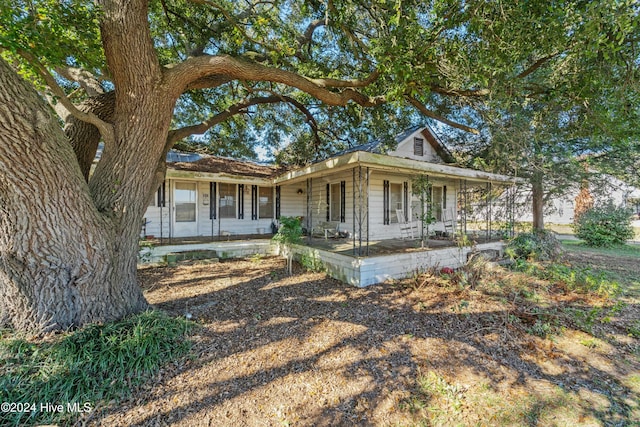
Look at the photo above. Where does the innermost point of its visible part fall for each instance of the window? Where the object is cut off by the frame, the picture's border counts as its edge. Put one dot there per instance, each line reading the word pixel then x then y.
pixel 418 146
pixel 436 202
pixel 185 197
pixel 337 201
pixel 227 200
pixel 265 200
pixel 393 196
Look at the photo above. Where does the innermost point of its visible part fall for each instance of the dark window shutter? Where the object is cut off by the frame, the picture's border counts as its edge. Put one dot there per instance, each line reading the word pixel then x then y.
pixel 254 202
pixel 385 202
pixel 240 201
pixel 328 200
pixel 277 202
pixel 161 195
pixel 343 200
pixel 444 197
pixel 406 201
pixel 213 203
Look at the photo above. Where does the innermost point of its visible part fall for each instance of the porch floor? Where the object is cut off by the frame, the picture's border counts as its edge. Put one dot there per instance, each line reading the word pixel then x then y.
pixel 344 246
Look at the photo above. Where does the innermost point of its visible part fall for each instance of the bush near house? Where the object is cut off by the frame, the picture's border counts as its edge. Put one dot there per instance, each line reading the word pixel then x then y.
pixel 537 245
pixel 604 226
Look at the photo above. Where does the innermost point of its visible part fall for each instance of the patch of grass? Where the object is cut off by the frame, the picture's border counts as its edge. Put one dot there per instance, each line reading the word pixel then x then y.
pixel 437 401
pixel 579 279
pixel 621 250
pixel 435 396
pixel 92 366
pixel 634 329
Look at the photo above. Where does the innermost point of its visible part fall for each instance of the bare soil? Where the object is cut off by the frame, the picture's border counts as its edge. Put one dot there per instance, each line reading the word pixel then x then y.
pixel 306 350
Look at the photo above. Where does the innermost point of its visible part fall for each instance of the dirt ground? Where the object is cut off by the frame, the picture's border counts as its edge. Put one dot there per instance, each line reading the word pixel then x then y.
pixel 306 350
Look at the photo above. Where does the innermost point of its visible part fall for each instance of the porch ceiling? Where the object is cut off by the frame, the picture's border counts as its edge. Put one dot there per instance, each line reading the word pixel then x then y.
pixel 383 162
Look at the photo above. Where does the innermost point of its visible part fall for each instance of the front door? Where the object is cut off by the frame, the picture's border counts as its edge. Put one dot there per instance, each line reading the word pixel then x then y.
pixel 185 209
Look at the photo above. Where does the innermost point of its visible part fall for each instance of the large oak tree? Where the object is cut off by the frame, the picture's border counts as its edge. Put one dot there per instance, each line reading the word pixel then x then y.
pixel 141 76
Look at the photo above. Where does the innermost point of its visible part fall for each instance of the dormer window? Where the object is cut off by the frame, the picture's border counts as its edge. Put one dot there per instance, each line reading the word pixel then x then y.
pixel 418 147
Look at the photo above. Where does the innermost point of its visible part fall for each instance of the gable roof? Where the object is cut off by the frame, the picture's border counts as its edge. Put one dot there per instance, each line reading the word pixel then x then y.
pixel 435 142
pixel 376 146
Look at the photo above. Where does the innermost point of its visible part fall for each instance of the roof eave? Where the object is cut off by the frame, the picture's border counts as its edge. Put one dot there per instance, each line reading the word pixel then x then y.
pixel 384 162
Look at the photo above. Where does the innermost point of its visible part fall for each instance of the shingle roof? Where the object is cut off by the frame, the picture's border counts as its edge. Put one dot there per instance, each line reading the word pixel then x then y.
pixel 212 164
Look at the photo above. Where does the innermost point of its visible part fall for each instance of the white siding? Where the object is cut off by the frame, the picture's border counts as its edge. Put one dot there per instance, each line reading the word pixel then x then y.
pixel 381 231
pixel 319 200
pixel 157 219
pixel 405 149
pixel 205 226
pixel 292 203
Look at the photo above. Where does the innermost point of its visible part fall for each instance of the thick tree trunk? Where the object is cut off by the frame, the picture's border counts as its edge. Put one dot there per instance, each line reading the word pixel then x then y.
pixel 538 203
pixel 62 263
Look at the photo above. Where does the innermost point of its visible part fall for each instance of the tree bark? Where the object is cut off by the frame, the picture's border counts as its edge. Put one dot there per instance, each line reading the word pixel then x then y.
pixel 84 137
pixel 538 203
pixel 62 263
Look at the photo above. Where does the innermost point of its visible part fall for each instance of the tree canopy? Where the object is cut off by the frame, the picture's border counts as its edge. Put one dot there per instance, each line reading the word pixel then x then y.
pixel 396 61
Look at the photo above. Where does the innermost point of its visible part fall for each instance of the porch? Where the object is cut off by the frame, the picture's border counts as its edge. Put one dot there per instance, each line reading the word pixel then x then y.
pixel 387 259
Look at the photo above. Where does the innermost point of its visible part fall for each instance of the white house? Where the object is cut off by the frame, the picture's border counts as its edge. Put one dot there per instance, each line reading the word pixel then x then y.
pixel 362 192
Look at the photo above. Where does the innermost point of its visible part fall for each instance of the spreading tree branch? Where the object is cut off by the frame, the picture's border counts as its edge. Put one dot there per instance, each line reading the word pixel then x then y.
pixel 533 67
pixel 179 76
pixel 106 129
pixel 459 92
pixel 239 108
pixel 420 107
pixel 85 79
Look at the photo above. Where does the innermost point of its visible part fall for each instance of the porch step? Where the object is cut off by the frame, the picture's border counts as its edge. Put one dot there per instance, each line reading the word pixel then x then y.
pixel 174 257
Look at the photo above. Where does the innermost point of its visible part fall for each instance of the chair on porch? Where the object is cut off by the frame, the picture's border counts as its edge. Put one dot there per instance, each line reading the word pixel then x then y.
pixel 449 221
pixel 326 229
pixel 408 229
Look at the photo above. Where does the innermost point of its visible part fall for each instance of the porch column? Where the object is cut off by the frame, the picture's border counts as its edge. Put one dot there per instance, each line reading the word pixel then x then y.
pixel 463 206
pixel 489 208
pixel 309 206
pixel 511 208
pixel 360 185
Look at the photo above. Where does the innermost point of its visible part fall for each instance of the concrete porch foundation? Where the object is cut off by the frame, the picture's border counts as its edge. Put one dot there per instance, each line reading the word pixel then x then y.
pixel 365 271
pixel 356 271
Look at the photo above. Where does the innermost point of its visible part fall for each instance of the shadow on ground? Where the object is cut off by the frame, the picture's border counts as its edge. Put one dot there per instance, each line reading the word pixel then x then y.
pixel 307 350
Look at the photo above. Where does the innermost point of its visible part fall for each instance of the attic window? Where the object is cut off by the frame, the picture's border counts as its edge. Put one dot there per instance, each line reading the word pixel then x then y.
pixel 418 146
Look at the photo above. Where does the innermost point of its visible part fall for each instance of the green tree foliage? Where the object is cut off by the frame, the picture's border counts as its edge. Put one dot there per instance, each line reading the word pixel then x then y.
pixel 412 59
pixel 604 226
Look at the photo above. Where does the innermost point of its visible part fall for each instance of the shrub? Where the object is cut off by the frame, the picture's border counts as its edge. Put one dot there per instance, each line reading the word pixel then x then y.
pixel 289 233
pixel 539 245
pixel 91 366
pixel 312 262
pixel 604 226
